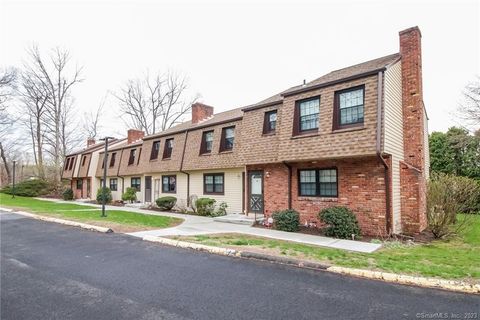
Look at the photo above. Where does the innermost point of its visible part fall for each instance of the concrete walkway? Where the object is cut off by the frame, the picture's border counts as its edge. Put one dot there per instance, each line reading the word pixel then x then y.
pixel 196 225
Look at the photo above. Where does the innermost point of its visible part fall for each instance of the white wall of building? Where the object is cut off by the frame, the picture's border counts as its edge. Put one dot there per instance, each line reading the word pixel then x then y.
pixel 233 185
pixel 393 134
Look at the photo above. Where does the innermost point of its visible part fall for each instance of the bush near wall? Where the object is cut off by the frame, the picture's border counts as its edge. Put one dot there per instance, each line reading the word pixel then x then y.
pixel 286 220
pixel 104 193
pixel 130 195
pixel 205 206
pixel 340 222
pixel 67 194
pixel 166 203
pixel 448 196
pixel 30 188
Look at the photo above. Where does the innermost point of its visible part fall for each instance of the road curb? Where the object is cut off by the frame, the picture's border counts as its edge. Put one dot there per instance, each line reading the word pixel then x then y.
pixel 190 245
pixel 450 285
pixel 61 221
pixel 283 260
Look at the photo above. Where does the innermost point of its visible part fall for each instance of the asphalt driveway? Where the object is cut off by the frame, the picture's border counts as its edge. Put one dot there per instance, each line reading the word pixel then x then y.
pixel 50 271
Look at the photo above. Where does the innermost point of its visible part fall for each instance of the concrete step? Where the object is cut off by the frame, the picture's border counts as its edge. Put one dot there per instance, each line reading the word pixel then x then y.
pixel 237 219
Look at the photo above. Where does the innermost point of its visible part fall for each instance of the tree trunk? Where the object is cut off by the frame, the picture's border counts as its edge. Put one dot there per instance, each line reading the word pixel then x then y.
pixel 4 159
pixel 41 170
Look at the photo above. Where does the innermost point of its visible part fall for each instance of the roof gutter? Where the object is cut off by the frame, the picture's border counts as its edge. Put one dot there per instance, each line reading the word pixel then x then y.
pixel 388 220
pixel 181 168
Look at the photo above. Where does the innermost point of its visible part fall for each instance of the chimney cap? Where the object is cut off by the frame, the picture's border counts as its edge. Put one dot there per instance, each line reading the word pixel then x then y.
pixel 415 28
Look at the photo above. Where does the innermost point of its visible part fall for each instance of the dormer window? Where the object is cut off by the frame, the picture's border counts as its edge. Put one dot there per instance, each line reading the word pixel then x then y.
pixel 84 158
pixel 167 152
pixel 71 163
pixel 131 158
pixel 155 150
pixel 270 122
pixel 67 163
pixel 207 142
pixel 112 159
pixel 306 116
pixel 228 137
pixel 349 108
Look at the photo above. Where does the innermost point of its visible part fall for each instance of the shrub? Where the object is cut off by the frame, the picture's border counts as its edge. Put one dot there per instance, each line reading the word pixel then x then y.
pixel 447 196
pixel 104 193
pixel 130 195
pixel 67 194
pixel 286 220
pixel 220 210
pixel 205 206
pixel 193 202
pixel 166 203
pixel 341 222
pixel 30 188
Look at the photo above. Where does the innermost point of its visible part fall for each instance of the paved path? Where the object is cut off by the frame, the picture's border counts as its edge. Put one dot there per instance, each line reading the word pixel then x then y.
pixel 195 225
pixel 50 271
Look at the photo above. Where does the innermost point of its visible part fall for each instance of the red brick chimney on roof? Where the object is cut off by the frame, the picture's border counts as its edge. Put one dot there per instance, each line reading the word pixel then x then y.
pixel 134 135
pixel 90 142
pixel 201 112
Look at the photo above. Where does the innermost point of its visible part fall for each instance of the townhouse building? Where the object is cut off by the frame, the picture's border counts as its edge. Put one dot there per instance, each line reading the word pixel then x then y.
pixel 80 167
pixel 355 137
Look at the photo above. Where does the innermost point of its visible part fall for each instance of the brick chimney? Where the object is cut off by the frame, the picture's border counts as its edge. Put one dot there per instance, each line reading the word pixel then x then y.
pixel 134 135
pixel 201 112
pixel 412 97
pixel 413 171
pixel 90 142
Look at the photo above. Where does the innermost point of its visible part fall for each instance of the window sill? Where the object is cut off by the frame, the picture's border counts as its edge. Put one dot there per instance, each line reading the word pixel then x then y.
pixel 226 152
pixel 318 199
pixel 166 159
pixel 349 129
pixel 269 134
pixel 306 135
pixel 205 154
pixel 153 160
pixel 214 193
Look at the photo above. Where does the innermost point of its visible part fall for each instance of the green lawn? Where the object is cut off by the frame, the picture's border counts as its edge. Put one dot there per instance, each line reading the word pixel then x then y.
pixel 118 220
pixel 457 258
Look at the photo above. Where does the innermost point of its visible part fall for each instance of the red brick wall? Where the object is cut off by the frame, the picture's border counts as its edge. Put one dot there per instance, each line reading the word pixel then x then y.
pixel 77 193
pixel 361 187
pixel 412 199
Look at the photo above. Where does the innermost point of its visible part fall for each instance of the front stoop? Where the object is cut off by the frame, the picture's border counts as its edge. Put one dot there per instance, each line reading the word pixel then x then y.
pixel 238 219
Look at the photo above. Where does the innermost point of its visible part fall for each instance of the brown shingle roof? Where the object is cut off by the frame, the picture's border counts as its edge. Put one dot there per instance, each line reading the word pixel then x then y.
pixel 347 73
pixel 95 147
pixel 217 118
pixel 230 115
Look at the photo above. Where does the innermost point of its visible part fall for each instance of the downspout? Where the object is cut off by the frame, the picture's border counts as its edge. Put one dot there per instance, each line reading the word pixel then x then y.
pixel 379 152
pixel 181 168
pixel 289 167
pixel 118 171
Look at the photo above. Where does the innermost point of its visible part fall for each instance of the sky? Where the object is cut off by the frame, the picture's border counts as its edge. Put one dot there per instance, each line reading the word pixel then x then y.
pixel 238 53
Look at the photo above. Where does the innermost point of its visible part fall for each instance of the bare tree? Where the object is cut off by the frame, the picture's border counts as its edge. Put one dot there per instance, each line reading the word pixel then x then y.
pixel 154 104
pixel 34 97
pixel 7 85
pixel 91 121
pixel 469 109
pixel 55 81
